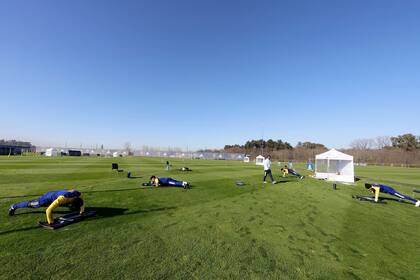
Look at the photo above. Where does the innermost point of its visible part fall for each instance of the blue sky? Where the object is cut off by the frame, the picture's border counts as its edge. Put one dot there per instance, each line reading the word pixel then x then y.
pixel 208 73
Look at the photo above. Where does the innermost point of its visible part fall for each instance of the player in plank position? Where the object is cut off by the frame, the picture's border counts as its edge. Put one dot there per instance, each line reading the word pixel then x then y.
pixel 287 170
pixel 378 188
pixel 52 200
pixel 157 182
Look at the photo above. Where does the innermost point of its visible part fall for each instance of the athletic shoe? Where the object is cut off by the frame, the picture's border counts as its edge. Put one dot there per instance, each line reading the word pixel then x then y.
pixel 274 182
pixel 418 203
pixel 301 177
pixel 265 182
pixel 185 184
pixel 11 211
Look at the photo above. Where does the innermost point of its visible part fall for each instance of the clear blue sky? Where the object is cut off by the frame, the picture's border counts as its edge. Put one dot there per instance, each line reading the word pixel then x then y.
pixel 208 73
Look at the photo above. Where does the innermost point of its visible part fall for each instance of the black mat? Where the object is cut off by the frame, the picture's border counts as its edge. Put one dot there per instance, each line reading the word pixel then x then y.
pixel 368 199
pixel 67 220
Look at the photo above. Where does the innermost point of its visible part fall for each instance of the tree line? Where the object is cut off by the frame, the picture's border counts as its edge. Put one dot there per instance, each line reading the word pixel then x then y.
pixel 15 143
pixel 400 150
pixel 270 145
pixel 253 147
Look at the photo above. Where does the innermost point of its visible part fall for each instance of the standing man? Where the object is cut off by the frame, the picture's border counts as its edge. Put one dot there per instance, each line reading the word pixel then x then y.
pixel 267 170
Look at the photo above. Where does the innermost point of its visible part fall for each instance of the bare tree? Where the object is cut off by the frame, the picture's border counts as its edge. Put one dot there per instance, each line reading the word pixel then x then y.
pixel 382 142
pixel 127 147
pixel 362 144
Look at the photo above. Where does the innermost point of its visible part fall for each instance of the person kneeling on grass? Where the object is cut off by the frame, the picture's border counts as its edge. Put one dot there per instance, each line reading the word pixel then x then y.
pixel 157 181
pixel 52 200
pixel 377 188
pixel 287 170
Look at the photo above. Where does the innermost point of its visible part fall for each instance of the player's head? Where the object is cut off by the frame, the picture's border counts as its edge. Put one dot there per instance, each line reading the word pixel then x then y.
pixel 73 193
pixel 285 166
pixel 152 178
pixel 76 204
pixel 368 186
pixel 269 156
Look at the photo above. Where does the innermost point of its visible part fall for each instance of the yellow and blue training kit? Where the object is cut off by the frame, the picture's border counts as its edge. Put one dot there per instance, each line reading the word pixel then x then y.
pixel 51 200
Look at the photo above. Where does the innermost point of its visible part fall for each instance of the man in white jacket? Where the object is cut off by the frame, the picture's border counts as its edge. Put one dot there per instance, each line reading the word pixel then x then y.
pixel 267 170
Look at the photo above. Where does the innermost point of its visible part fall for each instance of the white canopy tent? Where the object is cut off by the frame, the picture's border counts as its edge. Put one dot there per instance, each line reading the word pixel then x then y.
pixel 51 152
pixel 334 166
pixel 259 160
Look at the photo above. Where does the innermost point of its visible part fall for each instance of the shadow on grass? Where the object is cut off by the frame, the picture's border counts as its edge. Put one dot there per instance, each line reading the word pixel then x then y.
pixel 18 230
pixel 38 195
pixel 392 199
pixel 39 212
pixel 18 196
pixel 395 199
pixel 101 213
pixel 282 182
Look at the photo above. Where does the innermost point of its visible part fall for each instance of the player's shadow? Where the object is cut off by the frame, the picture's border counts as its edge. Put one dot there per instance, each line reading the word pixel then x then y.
pixel 394 199
pixel 282 182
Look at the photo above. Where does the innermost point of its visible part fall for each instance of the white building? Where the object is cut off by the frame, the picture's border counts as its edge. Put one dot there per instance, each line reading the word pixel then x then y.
pixel 334 166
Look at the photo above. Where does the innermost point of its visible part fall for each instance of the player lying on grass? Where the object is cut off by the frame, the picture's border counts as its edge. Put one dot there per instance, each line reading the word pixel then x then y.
pixel 287 170
pixel 162 182
pixel 377 188
pixel 185 169
pixel 52 200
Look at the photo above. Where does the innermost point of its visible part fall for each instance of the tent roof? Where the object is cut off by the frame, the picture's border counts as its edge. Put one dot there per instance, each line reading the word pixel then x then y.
pixel 334 154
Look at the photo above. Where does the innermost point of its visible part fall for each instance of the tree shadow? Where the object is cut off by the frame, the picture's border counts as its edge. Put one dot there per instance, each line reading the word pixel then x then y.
pixel 101 213
pixel 40 212
pixel 87 191
pixel 113 190
pixel 19 196
pixel 18 230
pixel 91 191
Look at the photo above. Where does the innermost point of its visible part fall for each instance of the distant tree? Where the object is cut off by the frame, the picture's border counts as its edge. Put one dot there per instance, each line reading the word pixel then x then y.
pixel 362 144
pixel 406 142
pixel 127 147
pixel 15 143
pixel 310 145
pixel 382 142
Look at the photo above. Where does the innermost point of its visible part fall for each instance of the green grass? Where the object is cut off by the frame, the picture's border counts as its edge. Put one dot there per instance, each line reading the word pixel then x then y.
pixel 296 229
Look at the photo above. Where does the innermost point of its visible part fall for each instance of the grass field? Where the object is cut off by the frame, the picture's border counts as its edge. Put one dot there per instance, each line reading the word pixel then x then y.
pixel 296 229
